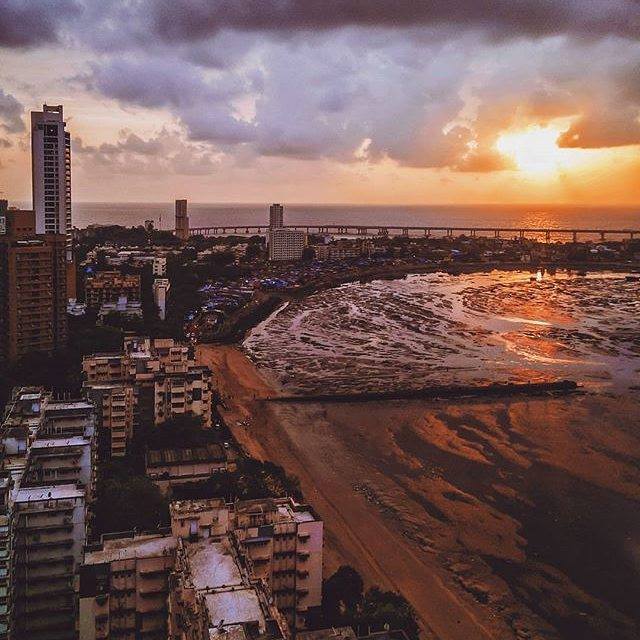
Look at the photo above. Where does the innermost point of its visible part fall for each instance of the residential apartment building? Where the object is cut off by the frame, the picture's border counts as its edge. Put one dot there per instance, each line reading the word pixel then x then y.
pixel 343 250
pixel 123 306
pixel 33 288
pixel 159 266
pixel 212 593
pixel 5 559
pixel 107 287
pixel 124 587
pixel 161 288
pixel 115 405
pixel 51 173
pixel 182 220
pixel 278 540
pixel 48 468
pixel 276 216
pixel 286 244
pixel 48 532
pixel 51 181
pixel 201 578
pixel 171 467
pixel 164 381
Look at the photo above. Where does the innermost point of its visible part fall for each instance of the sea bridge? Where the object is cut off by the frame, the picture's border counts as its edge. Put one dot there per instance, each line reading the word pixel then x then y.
pixel 377 231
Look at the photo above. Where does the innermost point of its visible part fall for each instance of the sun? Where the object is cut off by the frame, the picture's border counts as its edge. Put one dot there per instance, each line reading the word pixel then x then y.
pixel 534 150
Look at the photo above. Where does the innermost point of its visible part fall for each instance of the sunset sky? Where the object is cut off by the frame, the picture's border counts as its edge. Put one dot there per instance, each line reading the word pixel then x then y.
pixel 447 101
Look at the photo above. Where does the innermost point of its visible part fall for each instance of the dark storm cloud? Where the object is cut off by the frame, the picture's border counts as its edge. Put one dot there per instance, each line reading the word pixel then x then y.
pixel 420 83
pixel 28 23
pixel 179 19
pixel 33 23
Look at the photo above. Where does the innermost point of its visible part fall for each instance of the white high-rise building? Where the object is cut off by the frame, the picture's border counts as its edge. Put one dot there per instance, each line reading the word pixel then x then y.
pixel 161 288
pixel 286 244
pixel 51 173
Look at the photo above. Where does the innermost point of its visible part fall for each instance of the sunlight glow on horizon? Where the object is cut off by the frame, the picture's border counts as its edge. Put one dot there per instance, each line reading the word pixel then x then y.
pixel 535 151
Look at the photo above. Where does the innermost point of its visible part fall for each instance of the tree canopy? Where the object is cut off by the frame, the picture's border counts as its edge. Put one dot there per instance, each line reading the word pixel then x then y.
pixel 344 602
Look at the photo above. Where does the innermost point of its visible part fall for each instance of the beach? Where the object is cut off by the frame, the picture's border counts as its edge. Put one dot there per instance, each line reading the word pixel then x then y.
pixel 355 535
pixel 480 513
pixel 510 516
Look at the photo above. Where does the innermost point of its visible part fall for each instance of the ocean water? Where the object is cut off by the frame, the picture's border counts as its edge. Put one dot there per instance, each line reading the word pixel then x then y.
pixel 527 216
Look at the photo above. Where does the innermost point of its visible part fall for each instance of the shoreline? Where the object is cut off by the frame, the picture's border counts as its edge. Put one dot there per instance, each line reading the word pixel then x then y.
pixel 360 538
pixel 393 483
pixel 433 392
pixel 410 499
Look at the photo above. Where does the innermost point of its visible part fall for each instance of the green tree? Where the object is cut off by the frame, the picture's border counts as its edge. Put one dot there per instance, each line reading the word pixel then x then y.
pixel 128 500
pixel 341 593
pixel 181 432
pixel 344 603
pixel 386 608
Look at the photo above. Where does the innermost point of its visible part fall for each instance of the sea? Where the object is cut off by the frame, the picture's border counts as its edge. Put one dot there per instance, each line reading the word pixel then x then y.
pixel 518 216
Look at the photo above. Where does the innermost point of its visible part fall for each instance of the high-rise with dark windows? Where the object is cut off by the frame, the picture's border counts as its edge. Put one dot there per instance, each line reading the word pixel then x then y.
pixel 33 288
pixel 276 216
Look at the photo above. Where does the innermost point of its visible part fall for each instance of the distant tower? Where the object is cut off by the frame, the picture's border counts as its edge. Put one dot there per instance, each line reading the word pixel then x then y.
pixel 276 216
pixel 51 173
pixel 182 220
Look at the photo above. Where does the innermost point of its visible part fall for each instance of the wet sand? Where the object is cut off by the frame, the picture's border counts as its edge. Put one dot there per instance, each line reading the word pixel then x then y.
pixel 503 519
pixel 442 329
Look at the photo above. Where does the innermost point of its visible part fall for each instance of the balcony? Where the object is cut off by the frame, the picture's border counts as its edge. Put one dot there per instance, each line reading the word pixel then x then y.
pixel 45 544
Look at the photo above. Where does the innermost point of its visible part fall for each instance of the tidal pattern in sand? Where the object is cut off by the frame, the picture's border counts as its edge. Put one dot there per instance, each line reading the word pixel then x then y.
pixel 444 329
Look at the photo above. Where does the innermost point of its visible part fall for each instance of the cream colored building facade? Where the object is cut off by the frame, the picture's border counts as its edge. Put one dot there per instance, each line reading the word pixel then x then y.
pixel 148 383
pixel 279 540
pixel 124 587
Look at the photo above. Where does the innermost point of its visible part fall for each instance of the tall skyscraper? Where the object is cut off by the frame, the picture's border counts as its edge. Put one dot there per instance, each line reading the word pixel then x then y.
pixel 51 182
pixel 182 220
pixel 51 173
pixel 276 216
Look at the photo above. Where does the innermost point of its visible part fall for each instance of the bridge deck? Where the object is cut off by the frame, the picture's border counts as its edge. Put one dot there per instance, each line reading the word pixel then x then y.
pixel 399 230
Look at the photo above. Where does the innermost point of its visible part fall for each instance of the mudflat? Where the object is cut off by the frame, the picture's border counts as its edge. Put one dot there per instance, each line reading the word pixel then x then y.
pixel 508 518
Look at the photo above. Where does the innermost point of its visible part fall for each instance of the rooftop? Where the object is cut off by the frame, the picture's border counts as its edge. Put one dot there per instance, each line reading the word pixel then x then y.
pixel 54 492
pixel 232 607
pixel 67 406
pixel 128 548
pixel 186 507
pixel 163 457
pixel 54 443
pixel 30 396
pixel 212 565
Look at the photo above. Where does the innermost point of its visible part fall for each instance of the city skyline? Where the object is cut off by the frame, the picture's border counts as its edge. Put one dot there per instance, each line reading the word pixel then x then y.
pixel 445 104
pixel 405 410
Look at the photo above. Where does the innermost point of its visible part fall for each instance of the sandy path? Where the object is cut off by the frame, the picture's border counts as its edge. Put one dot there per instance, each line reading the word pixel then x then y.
pixel 355 532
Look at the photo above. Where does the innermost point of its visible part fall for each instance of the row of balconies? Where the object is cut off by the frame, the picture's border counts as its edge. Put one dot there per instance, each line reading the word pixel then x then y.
pixel 65 543
pixel 53 526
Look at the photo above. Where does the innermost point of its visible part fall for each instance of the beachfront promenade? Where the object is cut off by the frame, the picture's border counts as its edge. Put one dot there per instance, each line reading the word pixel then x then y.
pixel 432 231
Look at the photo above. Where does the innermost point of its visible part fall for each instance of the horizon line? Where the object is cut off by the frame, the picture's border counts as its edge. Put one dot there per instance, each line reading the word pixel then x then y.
pixel 349 204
